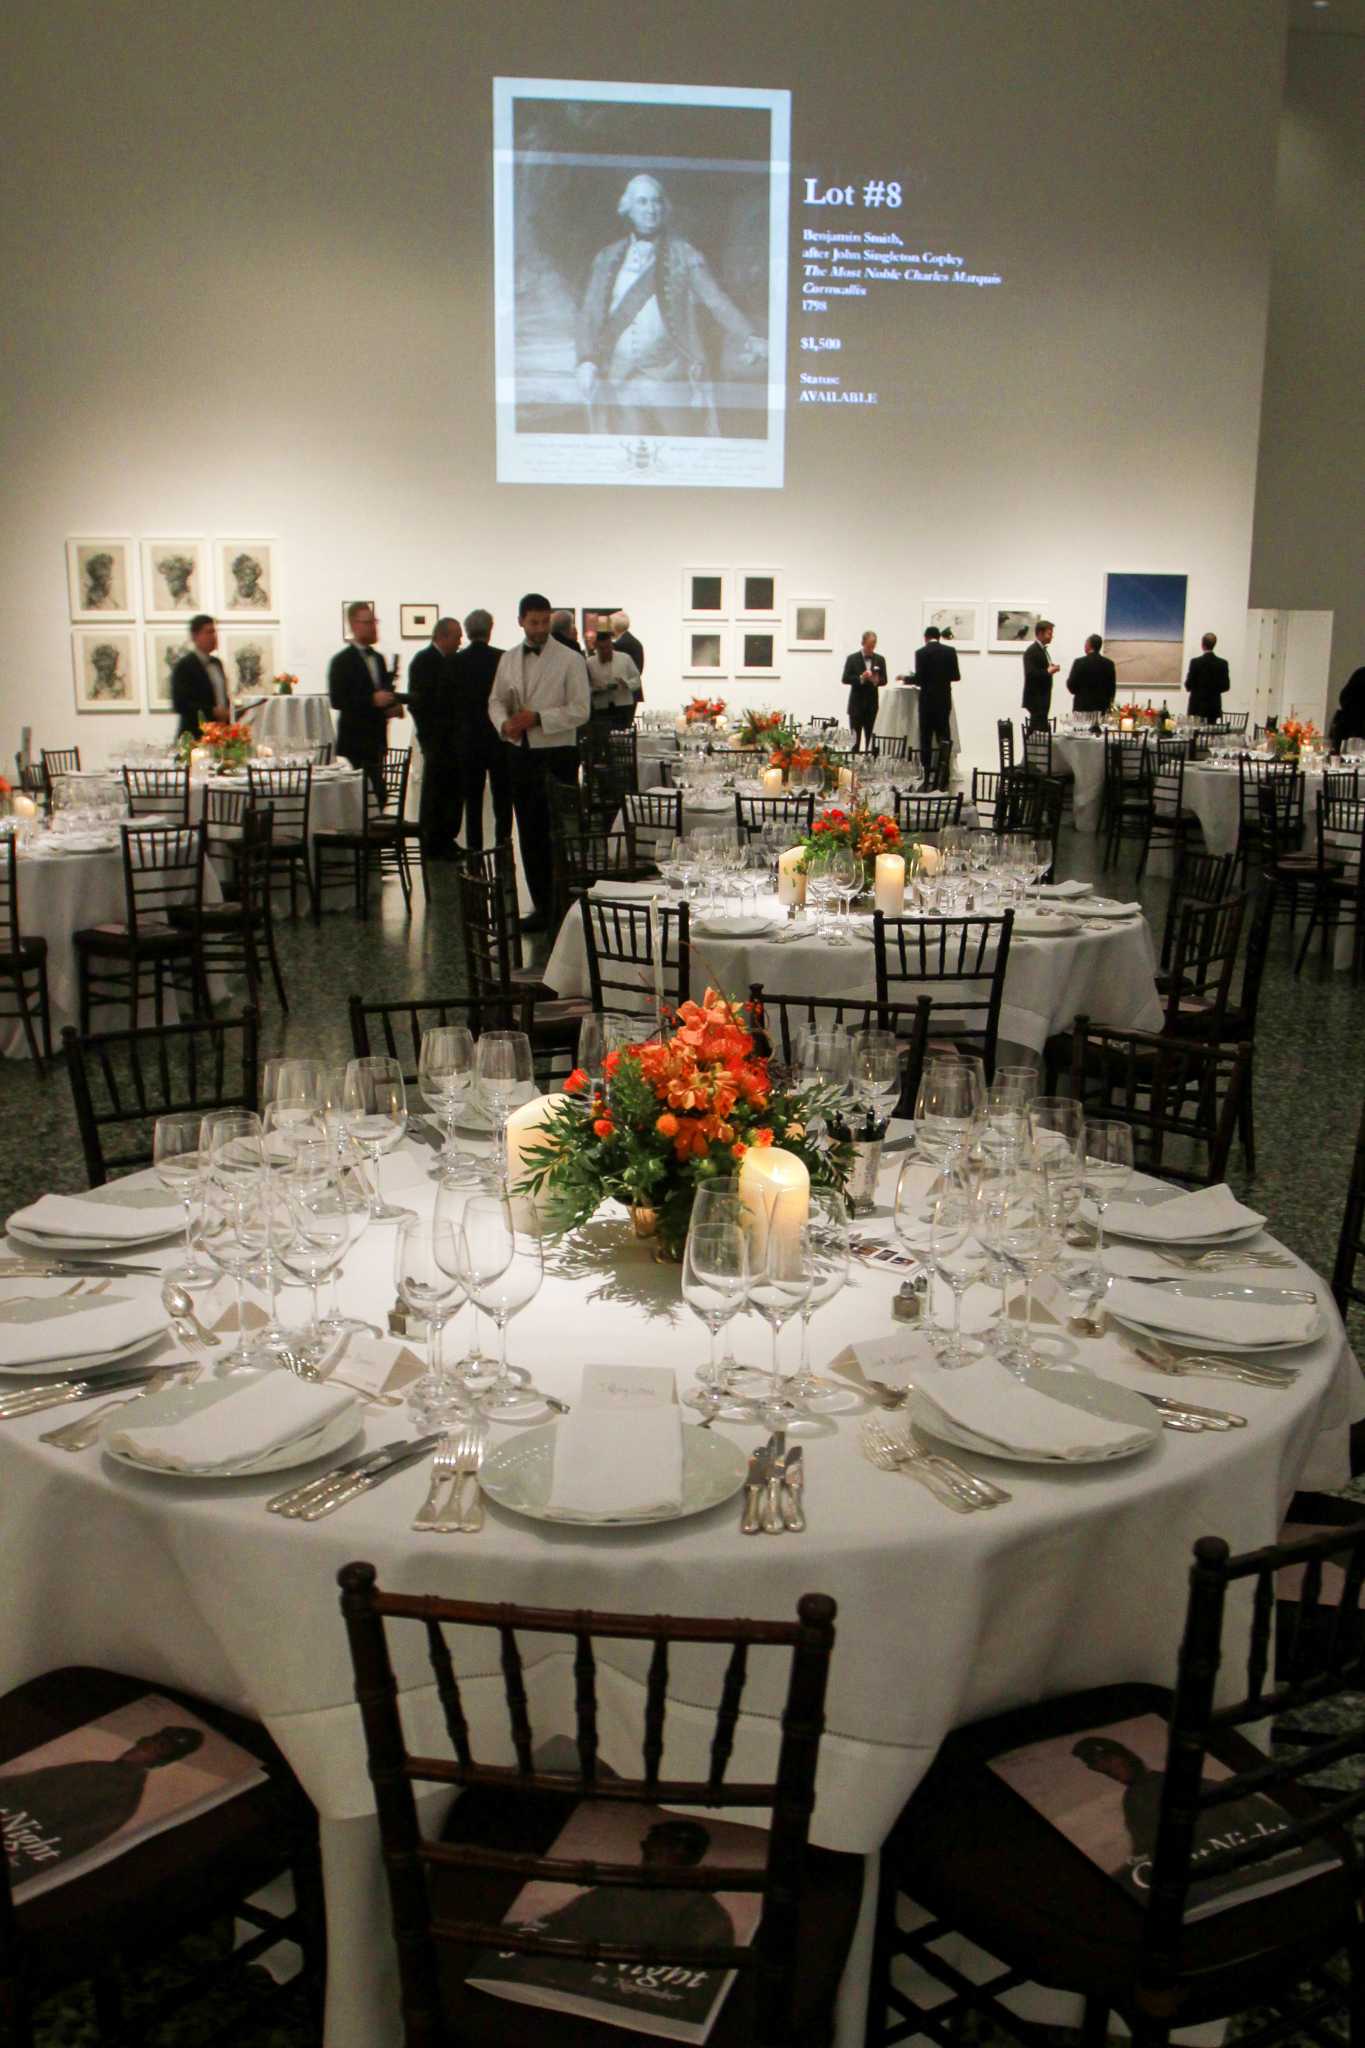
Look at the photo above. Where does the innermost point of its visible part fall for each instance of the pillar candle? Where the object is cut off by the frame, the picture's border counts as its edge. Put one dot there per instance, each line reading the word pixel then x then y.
pixel 774 1188
pixel 791 881
pixel 890 884
pixel 772 781
pixel 845 778
pixel 524 1127
pixel 23 806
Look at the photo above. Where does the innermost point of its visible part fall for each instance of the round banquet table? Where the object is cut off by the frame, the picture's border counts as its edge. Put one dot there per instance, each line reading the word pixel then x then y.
pixel 336 802
pixel 1214 796
pixel 61 893
pixel 943 1618
pixel 1107 974
pixel 304 719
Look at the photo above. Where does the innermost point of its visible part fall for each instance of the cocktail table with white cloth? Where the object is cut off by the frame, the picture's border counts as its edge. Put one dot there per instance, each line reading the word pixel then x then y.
pixel 943 1618
pixel 898 716
pixel 303 719
pixel 1083 757
pixel 1104 970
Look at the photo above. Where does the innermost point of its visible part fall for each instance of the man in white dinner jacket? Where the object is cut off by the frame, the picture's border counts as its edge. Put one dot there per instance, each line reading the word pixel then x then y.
pixel 540 698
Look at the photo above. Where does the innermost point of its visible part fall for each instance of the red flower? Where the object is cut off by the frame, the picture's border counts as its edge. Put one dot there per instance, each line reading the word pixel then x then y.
pixel 667 1125
pixel 603 1126
pixel 763 1136
pixel 576 1082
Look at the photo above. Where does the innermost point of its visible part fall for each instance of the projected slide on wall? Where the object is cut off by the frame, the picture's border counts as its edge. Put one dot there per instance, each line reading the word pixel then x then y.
pixel 640 283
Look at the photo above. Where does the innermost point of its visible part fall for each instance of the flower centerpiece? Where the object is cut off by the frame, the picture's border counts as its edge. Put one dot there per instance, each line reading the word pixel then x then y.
pixel 794 758
pixel 1138 715
pixel 673 1114
pixel 284 684
pixel 228 746
pixel 868 833
pixel 761 728
pixel 1288 740
pixel 704 711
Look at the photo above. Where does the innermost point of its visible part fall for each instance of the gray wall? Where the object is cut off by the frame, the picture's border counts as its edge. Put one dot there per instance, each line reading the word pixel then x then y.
pixel 1310 490
pixel 247 291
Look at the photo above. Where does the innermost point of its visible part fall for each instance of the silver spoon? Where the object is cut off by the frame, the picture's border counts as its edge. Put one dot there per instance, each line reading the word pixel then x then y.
pixel 178 1303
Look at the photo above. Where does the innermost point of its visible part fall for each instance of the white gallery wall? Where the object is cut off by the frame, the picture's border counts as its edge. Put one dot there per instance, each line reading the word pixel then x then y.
pixel 248 290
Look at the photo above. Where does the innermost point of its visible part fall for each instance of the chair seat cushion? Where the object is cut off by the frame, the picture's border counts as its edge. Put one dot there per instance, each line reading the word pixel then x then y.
pixel 970 1847
pixel 828 1918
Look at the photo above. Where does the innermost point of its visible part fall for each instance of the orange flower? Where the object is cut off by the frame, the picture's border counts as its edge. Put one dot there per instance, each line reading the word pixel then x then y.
pixel 738 1151
pixel 667 1125
pixel 763 1136
pixel 611 1063
pixel 576 1082
pixel 603 1126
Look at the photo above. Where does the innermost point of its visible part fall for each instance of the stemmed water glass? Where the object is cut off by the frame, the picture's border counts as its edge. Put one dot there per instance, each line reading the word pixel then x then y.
pixel 948 1107
pixel 1027 1240
pixel 1106 1169
pixel 501 1265
pixel 846 875
pixel 822 1058
pixel 827 1228
pixel 504 1067
pixel 955 1259
pixel 715 1285
pixel 375 1115
pixel 875 1072
pixel 426 1272
pixel 180 1167
pixel 445 1075
pixel 780 1281
pixel 326 1222
pixel 592 1057
pixel 290 1093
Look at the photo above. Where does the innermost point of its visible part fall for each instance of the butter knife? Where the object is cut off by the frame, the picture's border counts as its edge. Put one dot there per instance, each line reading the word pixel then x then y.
pixel 751 1522
pixel 1213 1418
pixel 69 1269
pixel 793 1510
pixel 62 1395
pixel 365 1482
pixel 295 1498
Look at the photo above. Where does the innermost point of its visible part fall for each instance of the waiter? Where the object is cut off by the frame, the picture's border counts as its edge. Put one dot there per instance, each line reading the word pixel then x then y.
pixel 865 676
pixel 540 698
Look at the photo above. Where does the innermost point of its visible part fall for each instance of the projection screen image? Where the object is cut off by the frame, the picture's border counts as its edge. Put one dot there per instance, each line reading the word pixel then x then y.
pixel 640 282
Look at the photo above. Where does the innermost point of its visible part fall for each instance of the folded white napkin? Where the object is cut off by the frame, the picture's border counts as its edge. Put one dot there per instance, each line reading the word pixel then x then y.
pixel 1203 1212
pixel 987 1399
pixel 1107 907
pixel 620 1452
pixel 261 1416
pixel 48 1329
pixel 103 1214
pixel 1064 890
pixel 628 890
pixel 1213 1322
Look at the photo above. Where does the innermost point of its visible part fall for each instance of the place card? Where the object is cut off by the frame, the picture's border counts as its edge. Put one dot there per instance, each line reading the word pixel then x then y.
pixel 628 1387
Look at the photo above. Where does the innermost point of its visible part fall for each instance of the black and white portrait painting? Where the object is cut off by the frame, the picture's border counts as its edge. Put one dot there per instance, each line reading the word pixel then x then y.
pixel 100 578
pixel 246 579
pixel 251 660
pixel 640 251
pixel 163 647
pixel 104 665
pixel 175 579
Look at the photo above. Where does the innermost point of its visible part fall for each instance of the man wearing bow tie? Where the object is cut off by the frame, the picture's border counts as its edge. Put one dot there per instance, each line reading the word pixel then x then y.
pixel 358 690
pixel 865 678
pixel 1038 674
pixel 540 697
pixel 199 690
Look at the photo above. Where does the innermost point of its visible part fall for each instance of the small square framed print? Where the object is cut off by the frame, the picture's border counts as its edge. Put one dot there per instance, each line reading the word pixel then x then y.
pixel 417 621
pixel 958 619
pixel 100 576
pixel 706 651
pixel 104 661
pixel 756 651
pixel 1011 625
pixel 704 593
pixel 810 625
pixel 758 594
pixel 251 659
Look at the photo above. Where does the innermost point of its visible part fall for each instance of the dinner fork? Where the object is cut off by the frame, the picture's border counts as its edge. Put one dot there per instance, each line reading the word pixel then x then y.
pixel 445 1483
pixel 1217 1262
pixel 893 1454
pixel 469 1452
pixel 79 1435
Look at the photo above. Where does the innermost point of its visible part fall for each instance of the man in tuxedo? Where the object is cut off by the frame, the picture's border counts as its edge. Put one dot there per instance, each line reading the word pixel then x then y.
pixel 1093 681
pixel 936 671
pixel 865 677
pixel 358 691
pixel 626 642
pixel 483 756
pixel 432 701
pixel 199 688
pixel 1038 674
pixel 1207 679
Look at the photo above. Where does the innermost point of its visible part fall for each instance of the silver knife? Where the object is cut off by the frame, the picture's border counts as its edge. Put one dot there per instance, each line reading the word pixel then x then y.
pixel 62 1395
pixel 752 1522
pixel 1214 1418
pixel 771 1516
pixel 363 1482
pixel 70 1269
pixel 294 1498
pixel 793 1512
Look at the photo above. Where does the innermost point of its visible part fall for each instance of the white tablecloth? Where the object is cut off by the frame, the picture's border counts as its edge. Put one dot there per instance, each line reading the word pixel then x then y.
pixel 1083 757
pixel 943 1618
pixel 1214 795
pixel 303 719
pixel 1107 975
pixel 336 802
pixel 898 715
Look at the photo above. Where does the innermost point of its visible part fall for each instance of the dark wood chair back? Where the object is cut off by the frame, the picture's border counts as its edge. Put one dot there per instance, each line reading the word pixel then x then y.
pixel 33 782
pixel 938 764
pixel 395 1029
pixel 158 792
pixel 324 754
pixel 413 1860
pixel 488 928
pixel 892 746
pixel 1343 782
pixel 61 761
pixel 1347 1288
pixel 918 812
pixel 652 819
pixel 224 814
pixel 1341 833
pixel 621 935
pixel 1004 740
pixel 163 867
pixel 596 857
pixel 568 812
pixel 1208 939
pixel 1168 781
pixel 623 758
pixel 986 795
pixel 775 1021
pixel 959 962
pixel 1182 1096
pixel 1199 877
pixel 1038 749
pixel 9 896
pixel 1030 803
pixel 1127 760
pixel 394 768
pixel 1284 779
pixel 289 792
pixel 122 1081
pixel 752 813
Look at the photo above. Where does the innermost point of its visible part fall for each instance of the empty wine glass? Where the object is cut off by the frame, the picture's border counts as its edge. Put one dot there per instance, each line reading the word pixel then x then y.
pixel 325 1225
pixel 947 1108
pixel 180 1167
pixel 501 1264
pixel 426 1272
pixel 955 1259
pixel 780 1280
pixel 1027 1241
pixel 375 1115
pixel 875 1072
pixel 828 1231
pixel 592 1054
pixel 715 1281
pixel 504 1068
pixel 231 1241
pixel 1106 1169
pixel 445 1075
pixel 846 874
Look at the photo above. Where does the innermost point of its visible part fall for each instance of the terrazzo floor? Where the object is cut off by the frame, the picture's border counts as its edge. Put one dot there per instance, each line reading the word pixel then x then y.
pixel 1309 1078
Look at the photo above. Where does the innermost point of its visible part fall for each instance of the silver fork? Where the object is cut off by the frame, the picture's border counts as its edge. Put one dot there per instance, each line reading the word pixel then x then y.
pixel 992 1496
pixel 445 1483
pixel 79 1435
pixel 470 1455
pixel 893 1455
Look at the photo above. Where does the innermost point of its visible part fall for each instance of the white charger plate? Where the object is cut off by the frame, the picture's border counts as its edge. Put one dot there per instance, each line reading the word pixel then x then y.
pixel 519 1473
pixel 55 1246
pixel 734 928
pixel 1109 906
pixel 1074 1390
pixel 173 1404
pixel 1032 924
pixel 1188 1340
pixel 1239 1233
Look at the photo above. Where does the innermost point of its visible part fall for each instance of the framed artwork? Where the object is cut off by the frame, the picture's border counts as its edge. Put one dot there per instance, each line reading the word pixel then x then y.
pixel 704 593
pixel 589 615
pixel 758 593
pixel 99 576
pixel 346 604
pixel 247 579
pixel 810 625
pixel 104 665
pixel 1011 626
pixel 1144 628
pixel 756 651
pixel 417 621
pixel 175 579
pixel 706 651
pixel 251 658
pixel 163 649
pixel 958 619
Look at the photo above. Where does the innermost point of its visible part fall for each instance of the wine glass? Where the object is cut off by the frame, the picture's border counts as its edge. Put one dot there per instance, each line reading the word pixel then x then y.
pixel 715 1281
pixel 325 1223
pixel 179 1165
pixel 822 1058
pixel 947 1108
pixel 828 1229
pixel 290 1087
pixel 426 1272
pixel 504 1067
pixel 591 1059
pixel 233 1248
pixel 955 1259
pixel 846 875
pixel 1027 1241
pixel 502 1266
pixel 780 1281
pixel 1056 1128
pixel 375 1115
pixel 875 1072
pixel 1106 1169
pixel 233 1145
pixel 445 1075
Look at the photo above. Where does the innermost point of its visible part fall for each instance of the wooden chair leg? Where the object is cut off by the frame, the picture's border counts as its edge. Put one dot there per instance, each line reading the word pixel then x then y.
pixel 22 998
pixel 45 1008
pixel 310 883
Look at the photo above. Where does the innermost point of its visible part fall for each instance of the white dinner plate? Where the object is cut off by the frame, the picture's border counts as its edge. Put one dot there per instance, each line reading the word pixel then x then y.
pixel 83 1361
pixel 38 1241
pixel 519 1473
pixel 173 1404
pixel 1074 1390
pixel 734 928
pixel 1183 1240
pixel 1108 906
pixel 1057 924
pixel 1188 1340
